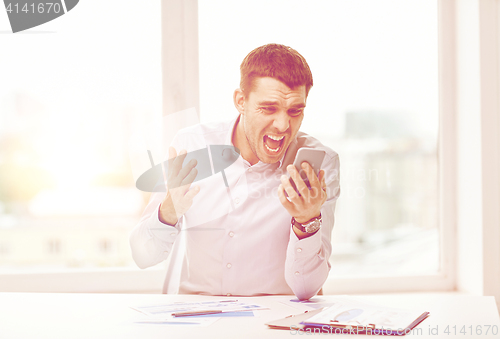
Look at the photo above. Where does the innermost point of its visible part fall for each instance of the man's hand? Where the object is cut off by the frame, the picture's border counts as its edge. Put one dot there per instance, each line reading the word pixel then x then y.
pixel 308 205
pixel 179 196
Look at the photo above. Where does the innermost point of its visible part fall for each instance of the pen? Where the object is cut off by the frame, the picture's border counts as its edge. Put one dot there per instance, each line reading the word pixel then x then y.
pixel 192 313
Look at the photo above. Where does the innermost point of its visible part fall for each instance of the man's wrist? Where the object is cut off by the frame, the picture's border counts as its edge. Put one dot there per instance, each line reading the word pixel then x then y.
pixel 311 226
pixel 300 234
pixel 303 220
pixel 164 220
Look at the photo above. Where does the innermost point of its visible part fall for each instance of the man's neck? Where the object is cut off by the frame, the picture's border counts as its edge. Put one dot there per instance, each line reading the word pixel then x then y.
pixel 240 141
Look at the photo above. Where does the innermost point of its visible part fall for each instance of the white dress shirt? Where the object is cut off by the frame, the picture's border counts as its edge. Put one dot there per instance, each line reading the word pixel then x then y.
pixel 239 240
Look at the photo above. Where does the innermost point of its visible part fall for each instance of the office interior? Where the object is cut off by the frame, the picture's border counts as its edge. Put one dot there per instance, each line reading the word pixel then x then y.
pixel 407 93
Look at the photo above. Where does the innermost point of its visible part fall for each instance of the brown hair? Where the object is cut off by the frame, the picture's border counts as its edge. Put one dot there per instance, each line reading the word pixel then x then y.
pixel 276 61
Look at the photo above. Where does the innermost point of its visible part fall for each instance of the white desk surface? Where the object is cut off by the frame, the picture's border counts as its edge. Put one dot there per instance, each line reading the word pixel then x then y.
pixel 68 315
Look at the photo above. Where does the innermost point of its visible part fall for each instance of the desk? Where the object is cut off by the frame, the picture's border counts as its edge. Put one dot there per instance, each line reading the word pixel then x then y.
pixel 52 315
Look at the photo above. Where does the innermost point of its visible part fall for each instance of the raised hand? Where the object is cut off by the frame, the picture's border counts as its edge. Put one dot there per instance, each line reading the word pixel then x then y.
pixel 180 194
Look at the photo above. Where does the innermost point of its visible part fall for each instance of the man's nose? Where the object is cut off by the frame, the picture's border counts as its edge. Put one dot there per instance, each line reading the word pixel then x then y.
pixel 281 121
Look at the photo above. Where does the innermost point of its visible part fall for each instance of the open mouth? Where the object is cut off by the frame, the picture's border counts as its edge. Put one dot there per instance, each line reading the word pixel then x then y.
pixel 273 143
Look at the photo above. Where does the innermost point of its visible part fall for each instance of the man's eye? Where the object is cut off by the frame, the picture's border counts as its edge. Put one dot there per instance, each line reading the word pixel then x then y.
pixel 295 112
pixel 268 109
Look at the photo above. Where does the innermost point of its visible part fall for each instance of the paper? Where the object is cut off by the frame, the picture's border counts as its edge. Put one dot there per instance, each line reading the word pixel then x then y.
pixel 293 321
pixel 229 306
pixel 186 321
pixel 351 312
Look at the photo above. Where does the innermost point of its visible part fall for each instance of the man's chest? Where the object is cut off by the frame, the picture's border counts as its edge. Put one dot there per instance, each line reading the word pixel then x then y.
pixel 248 192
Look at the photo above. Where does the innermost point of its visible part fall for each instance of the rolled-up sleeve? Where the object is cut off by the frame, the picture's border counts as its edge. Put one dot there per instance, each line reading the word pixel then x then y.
pixel 307 265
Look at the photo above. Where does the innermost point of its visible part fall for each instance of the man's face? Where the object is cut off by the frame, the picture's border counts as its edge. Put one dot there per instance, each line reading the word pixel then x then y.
pixel 271 118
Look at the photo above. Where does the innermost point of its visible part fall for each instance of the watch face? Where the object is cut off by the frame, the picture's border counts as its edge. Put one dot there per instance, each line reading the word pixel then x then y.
pixel 309 227
pixel 313 226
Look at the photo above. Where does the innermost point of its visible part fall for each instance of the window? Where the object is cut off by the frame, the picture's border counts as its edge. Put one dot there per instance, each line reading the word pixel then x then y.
pixel 72 92
pixel 369 60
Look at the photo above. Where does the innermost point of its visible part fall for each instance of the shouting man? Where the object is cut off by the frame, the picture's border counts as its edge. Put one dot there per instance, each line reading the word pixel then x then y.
pixel 272 239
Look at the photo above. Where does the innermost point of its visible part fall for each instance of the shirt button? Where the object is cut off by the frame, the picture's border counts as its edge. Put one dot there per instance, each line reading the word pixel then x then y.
pixel 231 234
pixel 249 170
pixel 228 265
pixel 299 250
pixel 297 273
pixel 229 294
pixel 237 201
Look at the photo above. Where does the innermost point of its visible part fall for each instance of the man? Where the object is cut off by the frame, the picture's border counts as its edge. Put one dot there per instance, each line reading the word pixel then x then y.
pixel 270 239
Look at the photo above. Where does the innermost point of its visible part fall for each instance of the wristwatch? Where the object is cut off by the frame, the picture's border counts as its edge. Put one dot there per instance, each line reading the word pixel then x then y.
pixel 310 226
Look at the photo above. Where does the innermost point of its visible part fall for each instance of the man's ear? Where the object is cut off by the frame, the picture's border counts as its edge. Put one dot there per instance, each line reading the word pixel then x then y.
pixel 239 100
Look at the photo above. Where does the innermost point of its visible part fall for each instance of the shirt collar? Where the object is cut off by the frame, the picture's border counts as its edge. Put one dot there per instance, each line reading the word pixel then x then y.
pixel 229 138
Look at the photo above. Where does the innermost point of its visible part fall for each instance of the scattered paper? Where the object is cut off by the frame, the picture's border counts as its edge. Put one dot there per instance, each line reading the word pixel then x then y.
pixel 351 311
pixel 226 307
pixel 185 321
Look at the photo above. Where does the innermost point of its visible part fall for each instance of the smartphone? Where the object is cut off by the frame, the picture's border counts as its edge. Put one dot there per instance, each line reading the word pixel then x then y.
pixel 314 157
